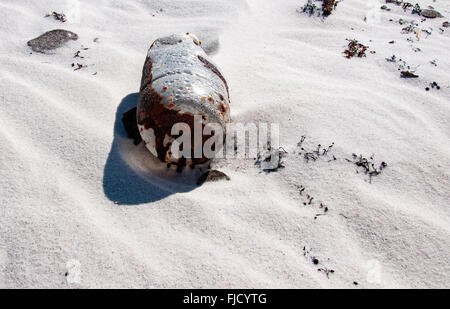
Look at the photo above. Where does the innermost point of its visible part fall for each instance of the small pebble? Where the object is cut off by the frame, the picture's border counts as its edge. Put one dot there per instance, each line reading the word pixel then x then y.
pixel 51 40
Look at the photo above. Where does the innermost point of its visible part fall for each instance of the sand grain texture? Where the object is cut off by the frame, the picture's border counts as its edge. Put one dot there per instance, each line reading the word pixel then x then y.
pixel 77 194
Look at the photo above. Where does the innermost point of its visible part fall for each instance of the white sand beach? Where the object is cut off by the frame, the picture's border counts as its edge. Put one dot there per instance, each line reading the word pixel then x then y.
pixel 82 207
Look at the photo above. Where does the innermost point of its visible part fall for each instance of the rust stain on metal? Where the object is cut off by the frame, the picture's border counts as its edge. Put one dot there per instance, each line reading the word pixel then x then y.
pixel 159 107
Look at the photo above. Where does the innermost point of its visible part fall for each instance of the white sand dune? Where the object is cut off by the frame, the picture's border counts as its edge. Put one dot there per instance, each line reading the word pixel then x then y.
pixel 76 191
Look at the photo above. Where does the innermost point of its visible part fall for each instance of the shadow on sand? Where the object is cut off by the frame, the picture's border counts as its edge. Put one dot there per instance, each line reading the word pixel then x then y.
pixel 132 175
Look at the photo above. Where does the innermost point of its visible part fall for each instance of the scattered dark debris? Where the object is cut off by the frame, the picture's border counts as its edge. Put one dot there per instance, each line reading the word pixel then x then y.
pixel 77 55
pixel 392 59
pixel 402 66
pixel 58 16
pixel 428 32
pixel 445 24
pixel 317 153
pixel 211 176
pixel 409 29
pixel 367 165
pixel 344 216
pixel 416 9
pixel 79 66
pixel 402 21
pixel 96 40
pixel 385 7
pixel 392 42
pixel 315 261
pixel 326 271
pixel 270 160
pixel 408 74
pixel 406 6
pixel 430 14
pixel 308 200
pixel 434 85
pixel 355 49
pixel 328 6
pixel 311 8
pixel 305 251
pixel 51 40
pixel 130 123
pixel 397 2
pixel 355 283
pixel 415 49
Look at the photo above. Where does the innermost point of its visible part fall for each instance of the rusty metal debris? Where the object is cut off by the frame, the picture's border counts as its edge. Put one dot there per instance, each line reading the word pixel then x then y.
pixel 179 81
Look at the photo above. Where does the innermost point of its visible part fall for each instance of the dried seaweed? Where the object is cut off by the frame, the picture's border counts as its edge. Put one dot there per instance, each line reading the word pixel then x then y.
pixel 367 165
pixel 307 254
pixel 355 49
pixel 58 16
pixel 315 153
pixel 328 7
pixel 311 8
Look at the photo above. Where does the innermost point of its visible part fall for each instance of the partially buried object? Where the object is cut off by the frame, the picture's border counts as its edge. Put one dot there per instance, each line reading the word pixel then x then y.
pixel 212 176
pixel 179 81
pixel 51 40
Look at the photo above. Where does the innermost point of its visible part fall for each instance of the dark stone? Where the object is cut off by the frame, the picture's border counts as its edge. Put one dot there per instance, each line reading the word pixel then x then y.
pixel 445 24
pixel 430 13
pixel 130 123
pixel 51 40
pixel 212 175
pixel 408 74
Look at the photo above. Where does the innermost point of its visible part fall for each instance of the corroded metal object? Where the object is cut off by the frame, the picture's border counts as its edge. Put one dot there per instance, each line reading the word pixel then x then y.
pixel 179 81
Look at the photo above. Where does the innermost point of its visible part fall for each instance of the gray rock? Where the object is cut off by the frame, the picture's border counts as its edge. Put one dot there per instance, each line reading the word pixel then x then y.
pixel 445 24
pixel 430 14
pixel 51 40
pixel 212 175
